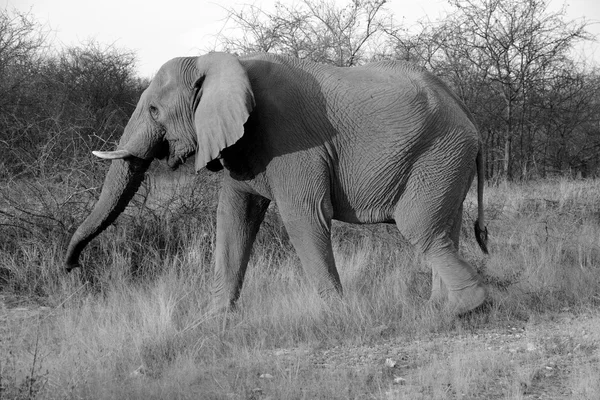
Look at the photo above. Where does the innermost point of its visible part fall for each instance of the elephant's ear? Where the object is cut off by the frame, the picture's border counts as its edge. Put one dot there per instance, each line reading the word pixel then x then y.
pixel 225 105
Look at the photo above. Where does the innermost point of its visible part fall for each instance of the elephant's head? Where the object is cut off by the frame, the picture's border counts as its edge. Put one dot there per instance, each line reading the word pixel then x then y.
pixel 193 105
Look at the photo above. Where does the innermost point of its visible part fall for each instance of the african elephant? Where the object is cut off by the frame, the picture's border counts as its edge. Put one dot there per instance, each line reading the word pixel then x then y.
pixel 385 142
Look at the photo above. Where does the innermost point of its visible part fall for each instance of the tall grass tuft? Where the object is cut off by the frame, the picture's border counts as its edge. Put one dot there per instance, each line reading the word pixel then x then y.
pixel 141 328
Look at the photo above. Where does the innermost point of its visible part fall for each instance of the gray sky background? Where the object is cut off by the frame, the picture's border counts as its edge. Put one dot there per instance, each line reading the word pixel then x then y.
pixel 158 31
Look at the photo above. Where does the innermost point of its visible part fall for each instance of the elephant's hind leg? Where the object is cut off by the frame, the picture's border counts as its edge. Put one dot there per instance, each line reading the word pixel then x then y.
pixel 465 290
pixel 430 232
pixel 439 293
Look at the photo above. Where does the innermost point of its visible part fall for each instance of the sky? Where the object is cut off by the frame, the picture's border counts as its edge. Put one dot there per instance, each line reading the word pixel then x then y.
pixel 160 30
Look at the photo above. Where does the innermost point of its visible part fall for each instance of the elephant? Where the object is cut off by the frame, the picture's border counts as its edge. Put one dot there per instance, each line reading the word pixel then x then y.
pixel 386 142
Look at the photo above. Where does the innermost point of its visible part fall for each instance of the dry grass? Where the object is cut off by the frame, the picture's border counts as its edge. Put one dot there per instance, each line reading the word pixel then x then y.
pixel 141 330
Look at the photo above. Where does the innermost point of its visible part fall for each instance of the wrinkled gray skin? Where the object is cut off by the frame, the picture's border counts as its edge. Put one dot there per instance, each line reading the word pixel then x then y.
pixel 385 142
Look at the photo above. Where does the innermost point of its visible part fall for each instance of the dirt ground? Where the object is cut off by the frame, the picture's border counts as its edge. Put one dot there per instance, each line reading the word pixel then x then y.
pixel 557 357
pixel 552 357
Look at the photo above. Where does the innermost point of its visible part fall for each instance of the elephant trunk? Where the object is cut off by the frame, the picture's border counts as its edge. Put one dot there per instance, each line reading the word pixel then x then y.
pixel 122 182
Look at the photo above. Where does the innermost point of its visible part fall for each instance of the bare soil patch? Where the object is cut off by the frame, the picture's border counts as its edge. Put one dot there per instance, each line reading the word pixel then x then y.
pixel 540 359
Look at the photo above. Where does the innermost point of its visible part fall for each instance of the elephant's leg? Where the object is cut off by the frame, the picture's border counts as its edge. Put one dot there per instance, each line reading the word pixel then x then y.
pixel 464 287
pixel 427 229
pixel 310 235
pixel 439 292
pixel 239 216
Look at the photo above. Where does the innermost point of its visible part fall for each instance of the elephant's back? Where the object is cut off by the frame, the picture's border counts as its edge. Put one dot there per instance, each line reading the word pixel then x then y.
pixel 371 125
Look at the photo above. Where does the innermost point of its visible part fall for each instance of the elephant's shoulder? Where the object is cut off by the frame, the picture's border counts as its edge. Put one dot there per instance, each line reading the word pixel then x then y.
pixel 269 58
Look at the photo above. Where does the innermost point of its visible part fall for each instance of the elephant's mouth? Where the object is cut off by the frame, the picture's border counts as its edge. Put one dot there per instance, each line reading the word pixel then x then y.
pixel 176 158
pixel 173 158
pixel 162 151
pixel 175 162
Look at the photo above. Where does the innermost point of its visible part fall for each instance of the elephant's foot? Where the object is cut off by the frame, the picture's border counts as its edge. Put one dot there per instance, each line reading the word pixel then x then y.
pixel 71 266
pixel 437 297
pixel 219 306
pixel 467 299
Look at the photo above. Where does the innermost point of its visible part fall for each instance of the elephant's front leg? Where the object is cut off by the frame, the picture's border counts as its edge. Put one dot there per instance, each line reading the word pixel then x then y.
pixel 239 216
pixel 309 228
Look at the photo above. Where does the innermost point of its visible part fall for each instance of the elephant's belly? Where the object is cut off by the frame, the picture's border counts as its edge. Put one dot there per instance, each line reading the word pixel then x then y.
pixel 364 216
pixel 368 200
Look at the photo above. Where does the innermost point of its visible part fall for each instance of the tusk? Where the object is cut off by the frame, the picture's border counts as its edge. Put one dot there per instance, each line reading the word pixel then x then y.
pixel 112 155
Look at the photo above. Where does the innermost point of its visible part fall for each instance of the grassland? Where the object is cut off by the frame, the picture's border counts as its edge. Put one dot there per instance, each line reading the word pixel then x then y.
pixel 138 326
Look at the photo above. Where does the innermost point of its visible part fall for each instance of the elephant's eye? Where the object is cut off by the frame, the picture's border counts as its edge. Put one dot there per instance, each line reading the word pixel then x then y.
pixel 153 112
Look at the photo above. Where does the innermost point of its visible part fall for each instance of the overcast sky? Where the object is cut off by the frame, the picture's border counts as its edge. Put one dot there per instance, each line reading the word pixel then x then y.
pixel 160 30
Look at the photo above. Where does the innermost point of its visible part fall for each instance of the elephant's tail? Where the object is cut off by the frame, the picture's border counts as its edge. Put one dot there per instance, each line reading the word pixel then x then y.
pixel 481 232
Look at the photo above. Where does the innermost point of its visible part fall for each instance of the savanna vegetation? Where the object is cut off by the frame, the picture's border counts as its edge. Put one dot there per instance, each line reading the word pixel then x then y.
pixel 134 324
